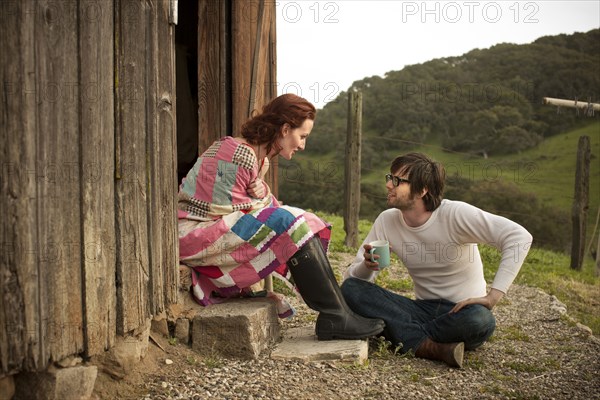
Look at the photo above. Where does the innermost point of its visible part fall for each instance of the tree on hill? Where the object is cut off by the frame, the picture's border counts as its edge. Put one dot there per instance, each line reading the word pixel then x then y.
pixel 452 99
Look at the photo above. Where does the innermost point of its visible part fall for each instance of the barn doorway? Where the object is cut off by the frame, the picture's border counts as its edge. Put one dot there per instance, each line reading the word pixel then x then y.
pixel 186 70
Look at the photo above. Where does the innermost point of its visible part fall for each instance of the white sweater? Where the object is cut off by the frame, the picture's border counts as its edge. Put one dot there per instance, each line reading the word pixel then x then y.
pixel 442 256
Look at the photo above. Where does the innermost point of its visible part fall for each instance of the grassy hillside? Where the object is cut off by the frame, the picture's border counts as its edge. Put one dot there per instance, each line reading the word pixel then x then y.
pixel 553 175
pixel 547 170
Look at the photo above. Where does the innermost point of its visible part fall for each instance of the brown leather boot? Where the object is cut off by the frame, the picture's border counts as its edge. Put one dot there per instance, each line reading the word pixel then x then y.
pixel 450 353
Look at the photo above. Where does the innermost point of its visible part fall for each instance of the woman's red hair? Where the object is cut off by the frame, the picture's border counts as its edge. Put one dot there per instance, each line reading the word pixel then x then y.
pixel 266 127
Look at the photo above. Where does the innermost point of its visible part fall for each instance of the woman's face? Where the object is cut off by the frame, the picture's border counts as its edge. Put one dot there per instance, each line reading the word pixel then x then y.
pixel 294 139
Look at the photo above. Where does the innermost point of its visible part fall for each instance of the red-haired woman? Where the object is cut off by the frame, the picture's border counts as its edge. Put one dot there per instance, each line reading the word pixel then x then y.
pixel 233 232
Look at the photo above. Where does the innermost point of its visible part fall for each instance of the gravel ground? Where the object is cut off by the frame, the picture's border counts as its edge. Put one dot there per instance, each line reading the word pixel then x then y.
pixel 537 352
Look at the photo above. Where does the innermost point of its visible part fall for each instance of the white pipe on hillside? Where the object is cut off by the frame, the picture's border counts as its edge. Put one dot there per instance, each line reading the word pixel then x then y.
pixel 571 103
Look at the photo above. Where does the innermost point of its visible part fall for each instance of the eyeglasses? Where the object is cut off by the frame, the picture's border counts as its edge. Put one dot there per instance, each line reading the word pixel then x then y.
pixel 396 180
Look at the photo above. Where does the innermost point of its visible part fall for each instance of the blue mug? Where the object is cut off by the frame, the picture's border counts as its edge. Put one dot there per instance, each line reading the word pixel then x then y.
pixel 382 249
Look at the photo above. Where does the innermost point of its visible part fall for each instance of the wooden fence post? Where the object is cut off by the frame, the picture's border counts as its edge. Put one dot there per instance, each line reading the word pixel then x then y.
pixel 598 257
pixel 580 202
pixel 352 168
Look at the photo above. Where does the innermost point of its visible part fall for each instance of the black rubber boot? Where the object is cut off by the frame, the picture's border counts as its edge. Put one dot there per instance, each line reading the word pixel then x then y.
pixel 316 283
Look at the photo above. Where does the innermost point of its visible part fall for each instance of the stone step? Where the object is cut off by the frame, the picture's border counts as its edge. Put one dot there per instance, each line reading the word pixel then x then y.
pixel 57 383
pixel 301 344
pixel 240 328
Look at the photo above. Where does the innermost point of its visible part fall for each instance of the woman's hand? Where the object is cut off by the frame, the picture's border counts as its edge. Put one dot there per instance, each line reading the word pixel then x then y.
pixel 257 189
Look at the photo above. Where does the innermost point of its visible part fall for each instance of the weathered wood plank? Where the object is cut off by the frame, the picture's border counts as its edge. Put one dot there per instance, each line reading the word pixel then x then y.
pixel 225 84
pixel 250 58
pixel 272 56
pixel 270 93
pixel 155 245
pixel 254 77
pixel 131 165
pixel 257 72
pixel 166 164
pixel 212 72
pixel 58 214
pixel 96 42
pixel 161 154
pixel 270 84
pixel 244 19
pixel 19 331
pixel 254 80
pixel 262 80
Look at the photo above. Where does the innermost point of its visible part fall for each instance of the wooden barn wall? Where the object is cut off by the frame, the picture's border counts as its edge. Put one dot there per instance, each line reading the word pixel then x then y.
pixel 145 158
pixel 270 91
pixel 89 232
pixel 89 245
pixel 252 85
pixel 214 109
pixel 236 66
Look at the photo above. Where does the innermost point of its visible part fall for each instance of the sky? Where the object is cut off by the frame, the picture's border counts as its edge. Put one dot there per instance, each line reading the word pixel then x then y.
pixel 324 46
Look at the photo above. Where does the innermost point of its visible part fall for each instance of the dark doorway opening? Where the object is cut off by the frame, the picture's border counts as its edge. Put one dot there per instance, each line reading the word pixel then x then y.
pixel 186 60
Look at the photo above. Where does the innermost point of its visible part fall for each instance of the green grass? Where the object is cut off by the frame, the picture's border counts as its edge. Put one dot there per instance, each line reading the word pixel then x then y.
pixel 553 162
pixel 551 272
pixel 213 361
pixel 387 281
pixel 338 235
pixel 526 367
pixel 384 349
pixel 514 332
pixel 547 270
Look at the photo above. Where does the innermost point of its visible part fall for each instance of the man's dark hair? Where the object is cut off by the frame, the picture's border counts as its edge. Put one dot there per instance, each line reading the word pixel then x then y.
pixel 423 173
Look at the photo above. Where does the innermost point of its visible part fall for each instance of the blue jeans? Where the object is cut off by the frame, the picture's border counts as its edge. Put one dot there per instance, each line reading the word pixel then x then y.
pixel 409 322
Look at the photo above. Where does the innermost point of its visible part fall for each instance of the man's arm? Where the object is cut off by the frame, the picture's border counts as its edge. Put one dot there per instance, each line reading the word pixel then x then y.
pixel 362 268
pixel 510 238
